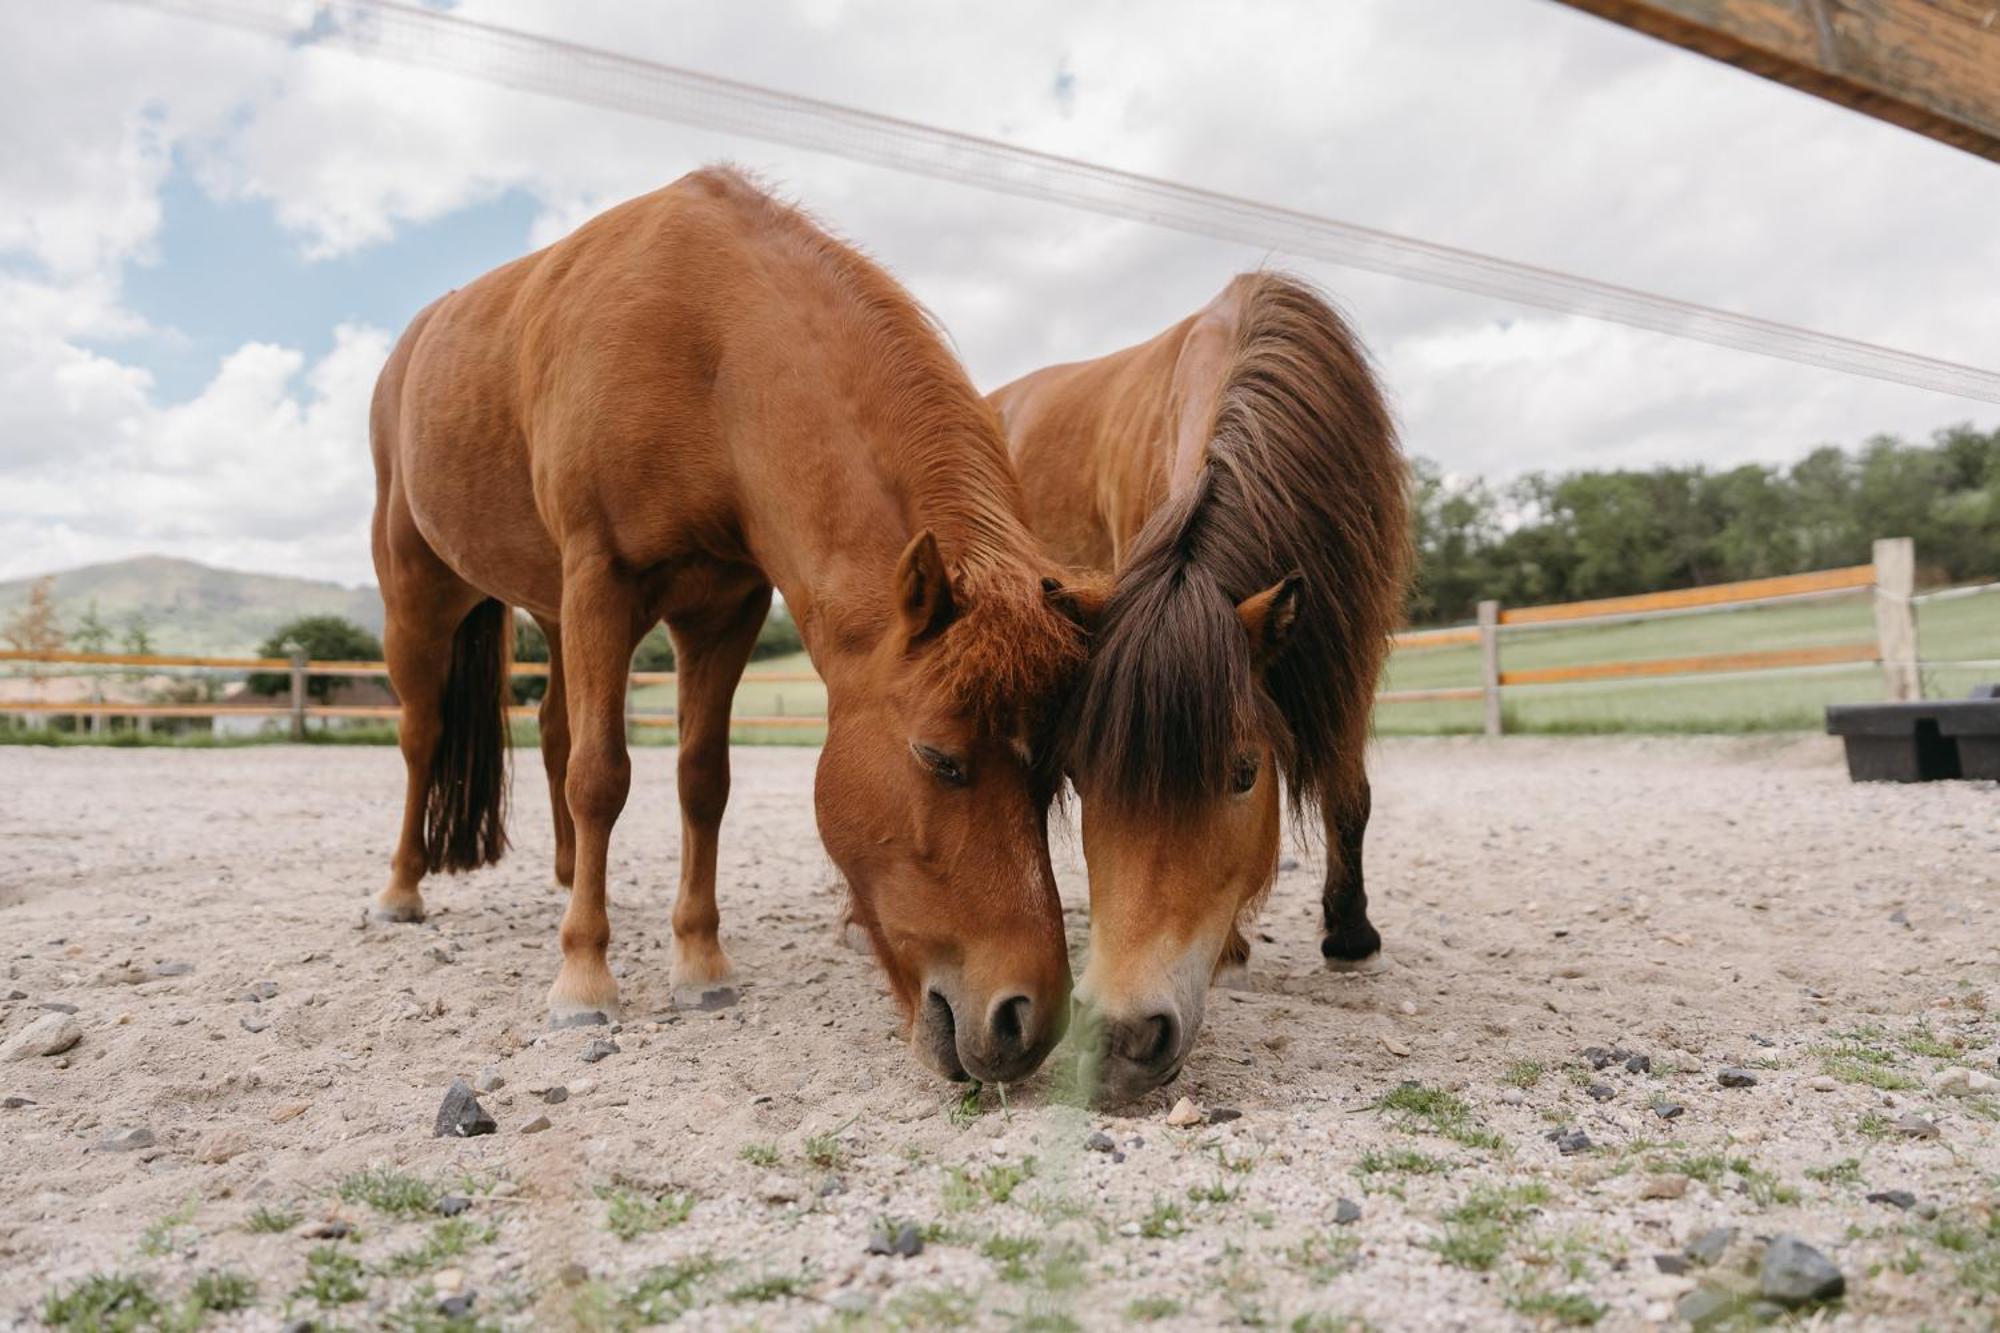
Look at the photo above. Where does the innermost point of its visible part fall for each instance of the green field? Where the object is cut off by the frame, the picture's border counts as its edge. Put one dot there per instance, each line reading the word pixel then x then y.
pixel 1967 627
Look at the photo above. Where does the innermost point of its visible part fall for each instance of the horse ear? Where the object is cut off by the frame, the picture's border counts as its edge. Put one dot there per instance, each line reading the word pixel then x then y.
pixel 1268 617
pixel 1082 601
pixel 923 588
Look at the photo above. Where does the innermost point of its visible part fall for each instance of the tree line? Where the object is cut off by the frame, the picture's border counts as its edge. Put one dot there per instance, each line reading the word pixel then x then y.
pixel 1607 533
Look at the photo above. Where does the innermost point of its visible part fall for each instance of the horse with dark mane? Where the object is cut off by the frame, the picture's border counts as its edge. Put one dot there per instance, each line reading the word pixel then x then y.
pixel 696 397
pixel 1240 478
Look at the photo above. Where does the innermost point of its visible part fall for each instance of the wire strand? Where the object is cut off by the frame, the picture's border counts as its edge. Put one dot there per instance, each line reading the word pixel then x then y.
pixel 533 63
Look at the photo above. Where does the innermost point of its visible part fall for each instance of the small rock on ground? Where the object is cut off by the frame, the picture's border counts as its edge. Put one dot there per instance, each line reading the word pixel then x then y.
pixel 1708 1246
pixel 451 1205
pixel 598 1049
pixel 128 1138
pixel 51 1034
pixel 1915 1126
pixel 1794 1273
pixel 1099 1141
pixel 1184 1114
pixel 1894 1198
pixel 536 1126
pixel 461 1116
pixel 1736 1078
pixel 904 1241
pixel 1346 1212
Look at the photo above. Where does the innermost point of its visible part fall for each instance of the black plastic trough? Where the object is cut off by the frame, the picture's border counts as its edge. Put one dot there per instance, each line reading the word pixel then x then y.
pixel 1921 742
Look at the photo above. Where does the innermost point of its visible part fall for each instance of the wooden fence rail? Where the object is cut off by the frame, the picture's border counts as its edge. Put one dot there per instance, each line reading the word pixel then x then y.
pixel 1891 576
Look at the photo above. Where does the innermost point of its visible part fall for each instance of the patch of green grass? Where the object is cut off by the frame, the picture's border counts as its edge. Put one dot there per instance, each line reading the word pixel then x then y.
pixel 1863 1055
pixel 1164 1220
pixel 1847 1171
pixel 769 1287
pixel 419 1313
pixel 1414 1106
pixel 967 1187
pixel 1012 1254
pixel 103 1303
pixel 163 1235
pixel 1151 1309
pixel 968 1106
pixel 1217 1191
pixel 824 1150
pixel 664 1293
pixel 390 1191
pixel 1764 1187
pixel 929 1308
pixel 447 1240
pixel 1043 1320
pixel 1571 1309
pixel 1873 1125
pixel 271 1221
pixel 1324 1256
pixel 1708 1168
pixel 1399 1162
pixel 1523 1074
pixel 222 1290
pixel 1976 1250
pixel 760 1154
pixel 629 1214
pixel 1924 1042
pixel 333 1277
pixel 1476 1232
pixel 1316 1322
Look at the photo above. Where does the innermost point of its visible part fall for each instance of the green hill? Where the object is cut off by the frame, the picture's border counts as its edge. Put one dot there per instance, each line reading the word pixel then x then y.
pixel 192 608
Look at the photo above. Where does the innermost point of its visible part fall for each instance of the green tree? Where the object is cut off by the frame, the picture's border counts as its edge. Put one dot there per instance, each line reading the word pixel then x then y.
pixel 325 639
pixel 92 635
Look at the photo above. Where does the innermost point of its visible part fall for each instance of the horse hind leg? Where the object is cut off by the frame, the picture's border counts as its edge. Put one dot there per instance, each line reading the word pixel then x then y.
pixel 1349 941
pixel 424 614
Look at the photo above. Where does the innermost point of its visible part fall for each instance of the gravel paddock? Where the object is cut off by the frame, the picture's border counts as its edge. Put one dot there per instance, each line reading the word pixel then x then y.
pixel 1692 905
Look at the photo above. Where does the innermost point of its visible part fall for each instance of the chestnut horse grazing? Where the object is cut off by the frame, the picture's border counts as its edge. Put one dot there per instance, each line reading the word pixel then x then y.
pixel 1239 475
pixel 696 397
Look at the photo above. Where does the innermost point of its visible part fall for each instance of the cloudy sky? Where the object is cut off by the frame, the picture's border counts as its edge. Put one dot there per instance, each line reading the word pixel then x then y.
pixel 209 240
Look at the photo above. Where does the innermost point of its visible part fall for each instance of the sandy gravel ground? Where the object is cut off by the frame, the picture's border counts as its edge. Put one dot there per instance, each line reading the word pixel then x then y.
pixel 1706 904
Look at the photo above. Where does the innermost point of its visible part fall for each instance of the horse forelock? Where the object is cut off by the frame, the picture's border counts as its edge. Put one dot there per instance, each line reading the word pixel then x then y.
pixel 1302 475
pixel 1010 659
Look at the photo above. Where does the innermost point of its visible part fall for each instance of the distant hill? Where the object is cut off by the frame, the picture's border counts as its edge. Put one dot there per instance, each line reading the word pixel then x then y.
pixel 192 608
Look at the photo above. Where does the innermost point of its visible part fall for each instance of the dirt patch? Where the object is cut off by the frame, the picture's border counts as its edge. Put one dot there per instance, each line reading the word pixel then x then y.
pixel 1701 904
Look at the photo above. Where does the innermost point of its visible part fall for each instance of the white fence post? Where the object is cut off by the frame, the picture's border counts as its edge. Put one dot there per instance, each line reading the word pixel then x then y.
pixel 1896 617
pixel 299 660
pixel 1489 663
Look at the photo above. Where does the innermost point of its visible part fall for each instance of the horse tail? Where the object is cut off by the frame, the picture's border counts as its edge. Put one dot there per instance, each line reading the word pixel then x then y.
pixel 465 811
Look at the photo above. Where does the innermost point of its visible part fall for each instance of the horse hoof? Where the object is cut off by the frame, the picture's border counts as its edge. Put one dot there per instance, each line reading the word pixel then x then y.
pixel 1374 962
pixel 577 1018
pixel 396 914
pixel 705 999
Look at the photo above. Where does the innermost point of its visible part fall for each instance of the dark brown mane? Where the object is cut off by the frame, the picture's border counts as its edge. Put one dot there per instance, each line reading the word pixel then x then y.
pixel 941 445
pixel 1302 475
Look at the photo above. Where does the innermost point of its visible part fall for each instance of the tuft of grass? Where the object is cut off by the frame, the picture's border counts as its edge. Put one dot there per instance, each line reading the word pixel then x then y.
pixel 163 1235
pixel 448 1240
pixel 1476 1232
pixel 222 1290
pixel 111 1302
pixel 930 1307
pixel 1873 1125
pixel 770 1287
pixel 271 1221
pixel 333 1277
pixel 1414 1106
pixel 968 1106
pixel 1165 1220
pixel 760 1154
pixel 1399 1162
pixel 390 1191
pixel 1571 1309
pixel 664 1293
pixel 1151 1309
pixel 967 1187
pixel 1324 1256
pixel 1847 1171
pixel 1924 1042
pixel 824 1150
pixel 1523 1074
pixel 1217 1191
pixel 419 1313
pixel 1012 1254
pixel 1864 1056
pixel 629 1214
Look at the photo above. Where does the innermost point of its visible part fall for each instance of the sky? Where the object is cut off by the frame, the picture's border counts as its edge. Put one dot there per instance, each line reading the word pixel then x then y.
pixel 209 240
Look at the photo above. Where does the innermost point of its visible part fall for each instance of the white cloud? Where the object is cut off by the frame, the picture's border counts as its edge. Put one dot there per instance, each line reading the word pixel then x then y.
pixel 1516 127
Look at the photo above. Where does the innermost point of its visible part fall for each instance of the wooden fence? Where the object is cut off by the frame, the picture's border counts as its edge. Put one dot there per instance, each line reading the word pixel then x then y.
pixel 1891 576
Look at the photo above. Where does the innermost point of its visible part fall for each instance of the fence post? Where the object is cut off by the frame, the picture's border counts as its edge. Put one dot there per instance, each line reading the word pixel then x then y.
pixel 1489 663
pixel 1896 617
pixel 299 660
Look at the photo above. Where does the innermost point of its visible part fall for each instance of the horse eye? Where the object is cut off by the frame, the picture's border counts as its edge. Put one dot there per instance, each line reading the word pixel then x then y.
pixel 1244 776
pixel 942 766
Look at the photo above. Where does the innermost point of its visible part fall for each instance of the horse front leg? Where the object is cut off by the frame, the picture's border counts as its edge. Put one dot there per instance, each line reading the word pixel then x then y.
pixel 1349 940
pixel 710 653
pixel 601 625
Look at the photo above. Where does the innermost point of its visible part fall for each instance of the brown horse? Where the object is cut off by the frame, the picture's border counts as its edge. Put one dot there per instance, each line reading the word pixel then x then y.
pixel 1239 475
pixel 694 398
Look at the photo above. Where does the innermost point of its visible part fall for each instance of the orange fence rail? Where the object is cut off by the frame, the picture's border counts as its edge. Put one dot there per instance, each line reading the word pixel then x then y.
pixel 1891 577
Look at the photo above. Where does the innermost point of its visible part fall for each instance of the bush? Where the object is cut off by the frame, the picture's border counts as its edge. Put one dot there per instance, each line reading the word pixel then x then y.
pixel 325 639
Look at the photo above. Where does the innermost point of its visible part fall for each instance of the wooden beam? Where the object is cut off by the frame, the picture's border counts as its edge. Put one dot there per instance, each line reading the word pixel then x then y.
pixel 1709 594
pixel 1769 659
pixel 1932 66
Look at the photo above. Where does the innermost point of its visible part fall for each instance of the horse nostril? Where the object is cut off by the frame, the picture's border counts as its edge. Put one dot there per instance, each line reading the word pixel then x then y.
pixel 937 1012
pixel 1010 1022
pixel 1149 1042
